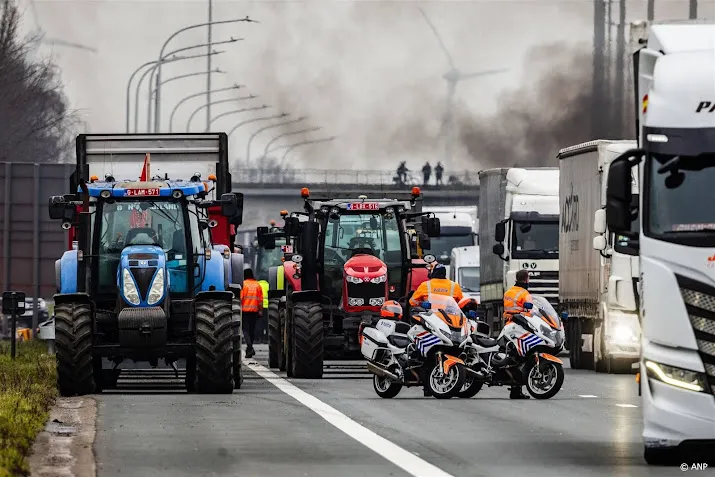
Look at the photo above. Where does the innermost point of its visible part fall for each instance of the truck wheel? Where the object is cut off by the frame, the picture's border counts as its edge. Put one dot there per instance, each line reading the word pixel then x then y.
pixel 237 333
pixel 274 335
pixel 214 347
pixel 73 341
pixel 307 338
pixel 662 456
pixel 575 350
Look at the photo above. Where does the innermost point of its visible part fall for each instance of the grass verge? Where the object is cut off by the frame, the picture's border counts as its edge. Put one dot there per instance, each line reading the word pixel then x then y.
pixel 28 387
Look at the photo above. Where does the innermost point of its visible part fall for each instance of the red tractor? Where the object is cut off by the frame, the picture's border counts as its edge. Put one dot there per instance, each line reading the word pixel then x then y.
pixel 351 255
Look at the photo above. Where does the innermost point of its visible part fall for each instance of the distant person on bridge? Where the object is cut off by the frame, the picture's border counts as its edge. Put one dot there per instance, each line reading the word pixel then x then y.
pixel 426 172
pixel 402 173
pixel 252 308
pixel 438 171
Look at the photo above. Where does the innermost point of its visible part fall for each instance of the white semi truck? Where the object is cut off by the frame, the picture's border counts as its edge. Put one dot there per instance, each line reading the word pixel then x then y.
pixel 458 228
pixel 675 99
pixel 518 229
pixel 599 275
pixel 464 269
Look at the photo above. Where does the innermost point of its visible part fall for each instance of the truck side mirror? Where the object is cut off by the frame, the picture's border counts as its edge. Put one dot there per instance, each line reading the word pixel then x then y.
pixel 498 249
pixel 433 227
pixel 261 231
pixel 500 232
pixel 618 191
pixel 599 221
pixel 60 209
pixel 599 243
pixel 291 226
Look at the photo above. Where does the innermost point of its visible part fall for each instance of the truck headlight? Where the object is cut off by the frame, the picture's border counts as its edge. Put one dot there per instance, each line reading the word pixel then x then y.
pixel 380 279
pixel 623 334
pixel 352 279
pixel 678 377
pixel 156 292
pixel 131 294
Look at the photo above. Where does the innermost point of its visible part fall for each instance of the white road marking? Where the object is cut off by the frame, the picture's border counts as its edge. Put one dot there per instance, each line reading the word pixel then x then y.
pixel 626 405
pixel 587 396
pixel 407 461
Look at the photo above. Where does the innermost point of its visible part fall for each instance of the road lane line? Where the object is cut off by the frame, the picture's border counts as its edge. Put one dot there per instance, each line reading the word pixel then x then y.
pixel 406 460
pixel 587 396
pixel 626 405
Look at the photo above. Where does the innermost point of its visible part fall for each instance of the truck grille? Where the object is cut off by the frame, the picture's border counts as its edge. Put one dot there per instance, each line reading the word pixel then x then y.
pixel 699 301
pixel 545 284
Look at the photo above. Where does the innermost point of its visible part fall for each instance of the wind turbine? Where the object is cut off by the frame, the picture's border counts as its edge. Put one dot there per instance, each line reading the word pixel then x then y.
pixel 453 76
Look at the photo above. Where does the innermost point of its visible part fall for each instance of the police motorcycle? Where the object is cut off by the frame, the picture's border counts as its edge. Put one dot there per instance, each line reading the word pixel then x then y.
pixel 428 348
pixel 523 354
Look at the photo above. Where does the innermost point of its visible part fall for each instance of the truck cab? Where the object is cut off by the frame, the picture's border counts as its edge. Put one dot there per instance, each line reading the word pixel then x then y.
pixel 464 269
pixel 458 228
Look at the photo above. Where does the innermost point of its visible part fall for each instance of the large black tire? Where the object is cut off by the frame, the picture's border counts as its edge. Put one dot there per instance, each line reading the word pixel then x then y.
pixel 214 347
pixel 667 456
pixel 575 349
pixel 554 389
pixel 237 333
pixel 471 387
pixel 307 337
pixel 275 350
pixel 385 388
pixel 73 342
pixel 457 374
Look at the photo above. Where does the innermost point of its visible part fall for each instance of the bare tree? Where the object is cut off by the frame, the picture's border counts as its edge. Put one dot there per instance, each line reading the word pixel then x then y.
pixel 35 123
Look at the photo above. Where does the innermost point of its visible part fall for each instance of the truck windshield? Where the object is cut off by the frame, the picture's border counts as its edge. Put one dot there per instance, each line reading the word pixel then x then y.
pixel 441 247
pixel 142 222
pixel 268 258
pixel 468 279
pixel 680 198
pixel 535 240
pixel 374 234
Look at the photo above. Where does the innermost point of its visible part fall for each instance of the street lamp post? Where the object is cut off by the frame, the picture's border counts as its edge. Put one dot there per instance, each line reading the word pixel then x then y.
pixel 264 128
pixel 230 100
pixel 141 79
pixel 157 113
pixel 167 57
pixel 152 92
pixel 235 111
pixel 292 133
pixel 253 120
pixel 196 95
pixel 290 147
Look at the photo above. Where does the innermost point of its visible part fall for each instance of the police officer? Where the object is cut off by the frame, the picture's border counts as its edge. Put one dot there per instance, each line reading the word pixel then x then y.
pixel 251 307
pixel 438 284
pixel 514 300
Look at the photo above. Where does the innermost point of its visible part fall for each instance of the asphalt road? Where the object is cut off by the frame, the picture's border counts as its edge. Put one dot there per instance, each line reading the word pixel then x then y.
pixel 276 427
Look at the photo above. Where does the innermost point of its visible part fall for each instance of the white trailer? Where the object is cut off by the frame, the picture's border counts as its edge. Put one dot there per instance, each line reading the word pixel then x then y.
pixel 675 94
pixel 518 229
pixel 599 286
pixel 464 269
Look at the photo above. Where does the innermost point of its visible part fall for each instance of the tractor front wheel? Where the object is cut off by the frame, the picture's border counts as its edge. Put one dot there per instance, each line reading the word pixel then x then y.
pixel 73 342
pixel 307 340
pixel 214 347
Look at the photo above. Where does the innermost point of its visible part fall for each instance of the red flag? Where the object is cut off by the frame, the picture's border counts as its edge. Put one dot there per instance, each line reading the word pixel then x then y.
pixel 146 174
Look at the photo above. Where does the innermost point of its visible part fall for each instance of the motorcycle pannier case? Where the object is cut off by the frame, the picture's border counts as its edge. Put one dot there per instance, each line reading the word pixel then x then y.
pixel 373 339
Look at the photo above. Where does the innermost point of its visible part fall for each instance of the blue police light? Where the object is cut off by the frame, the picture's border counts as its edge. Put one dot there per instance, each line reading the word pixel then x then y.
pixel 528 306
pixel 472 314
pixel 426 305
pixel 564 316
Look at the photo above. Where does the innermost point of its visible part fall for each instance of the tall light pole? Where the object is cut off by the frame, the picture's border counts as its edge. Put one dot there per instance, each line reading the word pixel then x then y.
pixel 292 133
pixel 153 63
pixel 230 100
pixel 285 123
pixel 157 112
pixel 208 66
pixel 196 95
pixel 254 120
pixel 290 147
pixel 152 92
pixel 141 79
pixel 235 111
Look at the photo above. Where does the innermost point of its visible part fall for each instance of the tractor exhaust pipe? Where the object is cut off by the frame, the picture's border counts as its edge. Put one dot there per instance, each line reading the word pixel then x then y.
pixel 382 372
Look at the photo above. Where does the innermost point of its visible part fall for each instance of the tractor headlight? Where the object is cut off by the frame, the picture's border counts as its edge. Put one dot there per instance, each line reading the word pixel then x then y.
pixel 352 279
pixel 131 294
pixel 156 292
pixel 377 301
pixel 356 301
pixel 380 279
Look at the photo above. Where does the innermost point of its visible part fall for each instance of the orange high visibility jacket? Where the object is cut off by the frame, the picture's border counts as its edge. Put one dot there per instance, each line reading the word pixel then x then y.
pixel 514 300
pixel 251 296
pixel 436 286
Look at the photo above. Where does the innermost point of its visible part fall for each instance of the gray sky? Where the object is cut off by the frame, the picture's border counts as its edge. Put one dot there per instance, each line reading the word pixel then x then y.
pixel 369 72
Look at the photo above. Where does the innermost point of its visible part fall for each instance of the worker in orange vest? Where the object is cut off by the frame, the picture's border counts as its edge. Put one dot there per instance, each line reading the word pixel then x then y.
pixel 251 307
pixel 514 300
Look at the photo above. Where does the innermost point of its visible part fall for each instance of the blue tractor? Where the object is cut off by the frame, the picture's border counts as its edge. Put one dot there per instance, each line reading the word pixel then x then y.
pixel 146 283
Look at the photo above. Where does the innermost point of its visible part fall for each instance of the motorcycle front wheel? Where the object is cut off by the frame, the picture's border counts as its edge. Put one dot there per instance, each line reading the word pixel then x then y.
pixel 385 388
pixel 471 387
pixel 544 379
pixel 446 385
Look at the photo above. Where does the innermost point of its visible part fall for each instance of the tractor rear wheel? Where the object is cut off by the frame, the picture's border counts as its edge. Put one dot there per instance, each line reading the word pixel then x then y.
pixel 73 342
pixel 307 340
pixel 214 347
pixel 275 347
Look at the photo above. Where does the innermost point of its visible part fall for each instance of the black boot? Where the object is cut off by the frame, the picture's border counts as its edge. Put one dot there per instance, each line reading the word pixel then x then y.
pixel 250 352
pixel 427 391
pixel 517 393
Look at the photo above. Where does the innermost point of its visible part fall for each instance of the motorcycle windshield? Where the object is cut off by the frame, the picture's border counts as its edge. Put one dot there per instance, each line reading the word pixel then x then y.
pixel 447 309
pixel 545 311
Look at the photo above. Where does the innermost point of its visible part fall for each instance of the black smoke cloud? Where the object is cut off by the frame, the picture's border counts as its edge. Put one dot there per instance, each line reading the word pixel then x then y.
pixel 551 111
